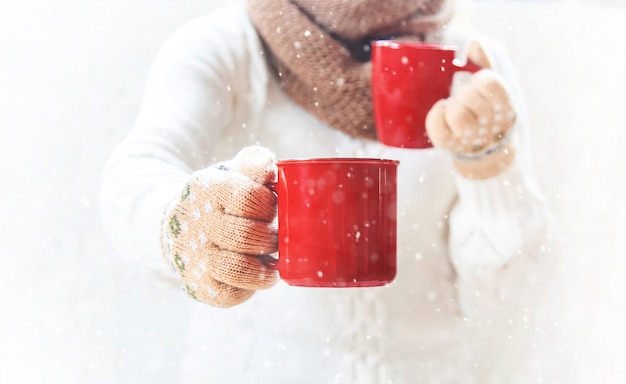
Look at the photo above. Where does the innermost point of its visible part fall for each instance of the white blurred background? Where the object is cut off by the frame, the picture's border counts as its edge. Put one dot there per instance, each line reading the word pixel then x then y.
pixel 71 76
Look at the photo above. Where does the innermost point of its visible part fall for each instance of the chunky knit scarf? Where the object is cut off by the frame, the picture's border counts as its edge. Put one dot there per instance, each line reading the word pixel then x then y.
pixel 319 50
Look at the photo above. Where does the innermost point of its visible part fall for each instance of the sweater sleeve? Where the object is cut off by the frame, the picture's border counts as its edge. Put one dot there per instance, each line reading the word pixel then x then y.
pixel 503 240
pixel 195 83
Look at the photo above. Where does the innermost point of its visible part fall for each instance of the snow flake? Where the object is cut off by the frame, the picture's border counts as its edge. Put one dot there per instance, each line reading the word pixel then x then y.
pixel 212 292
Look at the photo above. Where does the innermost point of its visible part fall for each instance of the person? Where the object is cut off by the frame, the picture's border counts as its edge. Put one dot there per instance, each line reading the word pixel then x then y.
pixel 185 196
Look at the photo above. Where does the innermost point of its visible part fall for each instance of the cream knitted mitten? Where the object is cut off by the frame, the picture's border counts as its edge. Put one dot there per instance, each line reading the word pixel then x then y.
pixel 219 234
pixel 474 122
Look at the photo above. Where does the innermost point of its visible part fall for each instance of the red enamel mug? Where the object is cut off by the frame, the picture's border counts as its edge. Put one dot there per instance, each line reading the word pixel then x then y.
pixel 408 78
pixel 337 222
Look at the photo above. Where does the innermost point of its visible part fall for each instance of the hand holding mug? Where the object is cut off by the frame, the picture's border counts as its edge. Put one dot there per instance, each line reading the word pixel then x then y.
pixel 219 234
pixel 474 122
pixel 408 78
pixel 336 225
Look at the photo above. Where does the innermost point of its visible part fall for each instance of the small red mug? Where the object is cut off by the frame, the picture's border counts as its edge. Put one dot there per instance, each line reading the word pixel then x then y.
pixel 408 78
pixel 337 222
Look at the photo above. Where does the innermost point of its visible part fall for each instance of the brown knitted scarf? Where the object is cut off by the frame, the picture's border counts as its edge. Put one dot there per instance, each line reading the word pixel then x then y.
pixel 319 50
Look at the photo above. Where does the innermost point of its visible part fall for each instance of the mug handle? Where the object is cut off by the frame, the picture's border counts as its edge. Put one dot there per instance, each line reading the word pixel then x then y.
pixel 269 260
pixel 272 187
pixel 467 66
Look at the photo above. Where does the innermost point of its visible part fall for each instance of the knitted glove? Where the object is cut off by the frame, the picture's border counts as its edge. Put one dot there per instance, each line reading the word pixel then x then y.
pixel 218 234
pixel 474 122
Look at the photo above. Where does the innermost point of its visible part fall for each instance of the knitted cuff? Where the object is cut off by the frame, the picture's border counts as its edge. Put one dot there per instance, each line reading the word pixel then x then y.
pixel 488 196
pixel 484 167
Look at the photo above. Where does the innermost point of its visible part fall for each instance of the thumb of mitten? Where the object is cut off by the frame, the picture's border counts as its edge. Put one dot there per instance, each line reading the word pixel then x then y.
pixel 256 162
pixel 477 54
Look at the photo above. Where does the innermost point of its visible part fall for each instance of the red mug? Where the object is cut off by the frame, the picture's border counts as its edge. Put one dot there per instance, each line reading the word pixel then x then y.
pixel 408 78
pixel 337 222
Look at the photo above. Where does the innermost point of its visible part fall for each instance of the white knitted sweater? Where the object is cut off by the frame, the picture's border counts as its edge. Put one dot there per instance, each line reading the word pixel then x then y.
pixel 473 256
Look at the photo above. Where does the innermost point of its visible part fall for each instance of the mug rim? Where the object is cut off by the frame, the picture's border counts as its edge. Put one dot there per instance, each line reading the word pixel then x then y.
pixel 397 44
pixel 338 160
